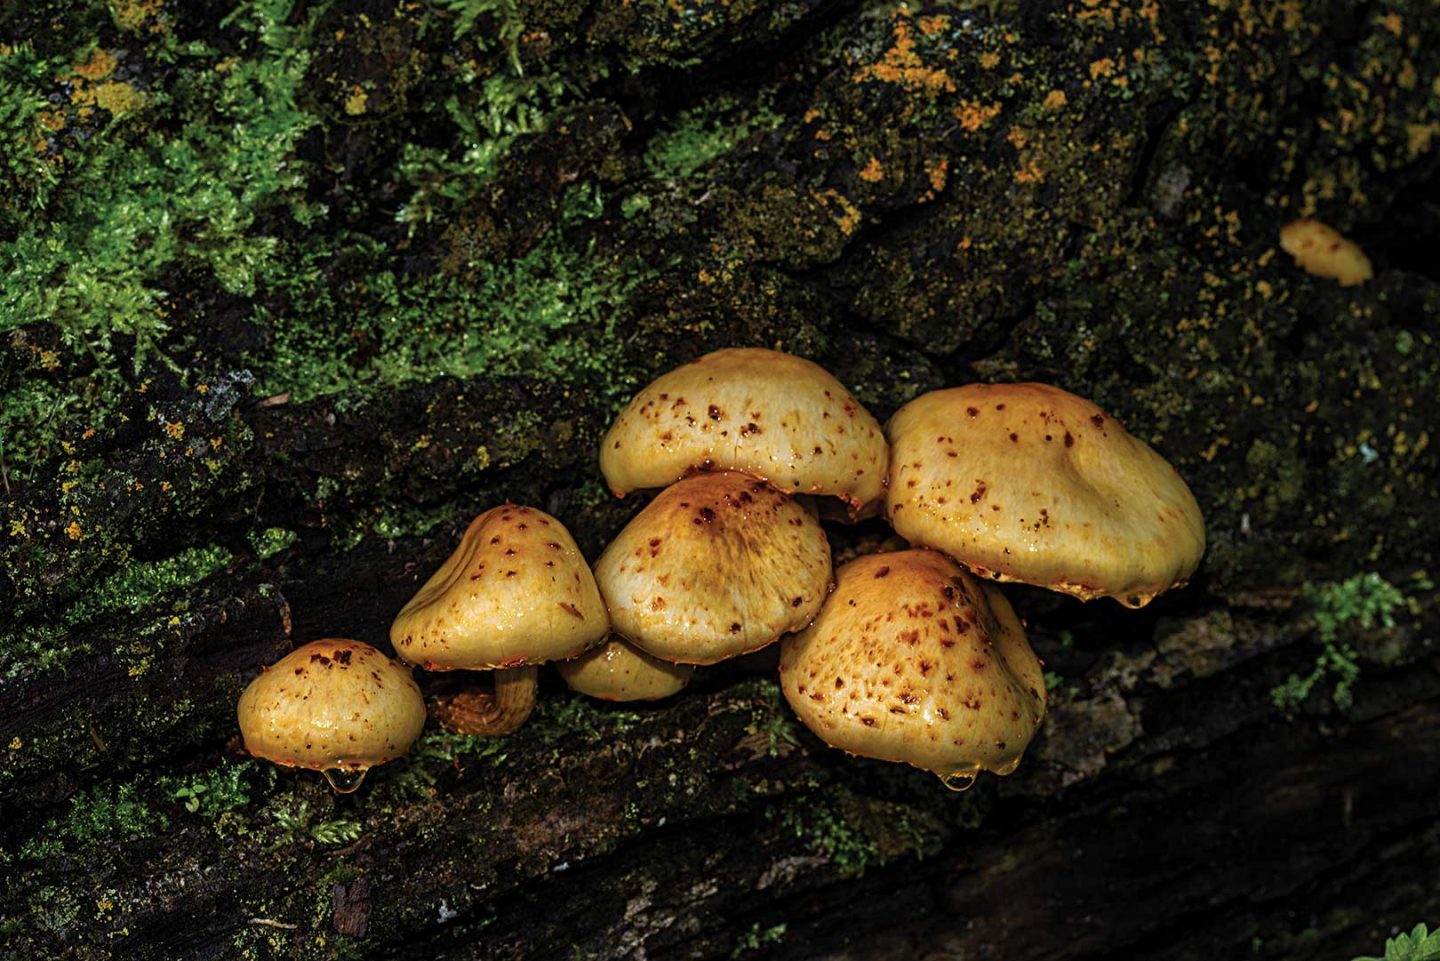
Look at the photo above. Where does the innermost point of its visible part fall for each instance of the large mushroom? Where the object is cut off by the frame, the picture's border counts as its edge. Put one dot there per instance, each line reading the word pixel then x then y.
pixel 715 566
pixel 1026 482
pixel 767 413
pixel 515 593
pixel 913 660
pixel 335 706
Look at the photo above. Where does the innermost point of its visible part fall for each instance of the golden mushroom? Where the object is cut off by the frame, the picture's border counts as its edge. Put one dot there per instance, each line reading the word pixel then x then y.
pixel 913 660
pixel 515 593
pixel 715 566
pixel 1026 482
pixel 767 413
pixel 619 671
pixel 335 706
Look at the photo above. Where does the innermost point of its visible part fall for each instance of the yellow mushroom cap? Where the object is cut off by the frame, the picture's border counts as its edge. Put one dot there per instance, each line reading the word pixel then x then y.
pixel 1320 250
pixel 516 591
pixel 760 411
pixel 716 565
pixel 332 704
pixel 1026 482
pixel 619 671
pixel 913 660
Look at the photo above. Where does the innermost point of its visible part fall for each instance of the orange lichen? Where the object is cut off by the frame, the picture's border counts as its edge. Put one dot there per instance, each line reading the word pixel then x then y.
pixel 1055 99
pixel 873 172
pixel 903 66
pixel 973 115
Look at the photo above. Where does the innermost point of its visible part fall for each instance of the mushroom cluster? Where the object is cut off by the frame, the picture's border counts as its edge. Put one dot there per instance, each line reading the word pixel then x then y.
pixel 909 653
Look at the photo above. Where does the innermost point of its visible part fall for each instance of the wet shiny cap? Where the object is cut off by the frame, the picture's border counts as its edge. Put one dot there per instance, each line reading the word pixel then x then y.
pixel 332 705
pixel 764 412
pixel 619 671
pixel 1026 482
pixel 716 565
pixel 913 660
pixel 516 591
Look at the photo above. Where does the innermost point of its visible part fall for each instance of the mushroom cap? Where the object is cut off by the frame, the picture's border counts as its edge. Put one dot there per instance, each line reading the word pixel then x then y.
pixel 618 671
pixel 716 565
pixel 749 409
pixel 914 660
pixel 332 704
pixel 1026 482
pixel 1320 250
pixel 516 591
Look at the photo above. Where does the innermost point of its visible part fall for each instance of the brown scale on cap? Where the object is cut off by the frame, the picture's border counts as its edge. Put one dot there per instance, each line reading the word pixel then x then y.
pixel 716 565
pixel 764 412
pixel 914 660
pixel 1026 482
pixel 335 706
pixel 619 671
pixel 515 593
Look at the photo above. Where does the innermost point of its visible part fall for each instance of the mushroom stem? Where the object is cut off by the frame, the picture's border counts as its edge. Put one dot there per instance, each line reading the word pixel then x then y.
pixel 485 714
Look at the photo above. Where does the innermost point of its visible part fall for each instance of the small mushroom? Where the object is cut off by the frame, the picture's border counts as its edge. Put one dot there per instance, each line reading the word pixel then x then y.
pixel 1321 251
pixel 515 593
pixel 335 706
pixel 715 566
pixel 913 660
pixel 767 413
pixel 619 671
pixel 1026 482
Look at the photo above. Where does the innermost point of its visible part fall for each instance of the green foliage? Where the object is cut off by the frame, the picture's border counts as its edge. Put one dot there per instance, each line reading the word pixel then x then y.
pixel 26 174
pixel 548 313
pixel 211 793
pixel 560 717
pixel 758 937
pixel 1364 601
pixel 1418 945
pixel 104 813
pixel 139 206
pixel 294 823
pixel 701 134
pixel 271 541
pixel 506 25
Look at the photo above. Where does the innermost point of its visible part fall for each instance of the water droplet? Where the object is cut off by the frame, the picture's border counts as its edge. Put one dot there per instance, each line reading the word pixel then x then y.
pixel 344 782
pixel 1008 767
pixel 958 780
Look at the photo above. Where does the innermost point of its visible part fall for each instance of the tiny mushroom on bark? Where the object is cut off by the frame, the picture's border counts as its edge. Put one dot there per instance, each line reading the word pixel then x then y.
pixel 335 706
pixel 767 413
pixel 715 566
pixel 913 660
pixel 515 593
pixel 619 671
pixel 1321 251
pixel 1026 482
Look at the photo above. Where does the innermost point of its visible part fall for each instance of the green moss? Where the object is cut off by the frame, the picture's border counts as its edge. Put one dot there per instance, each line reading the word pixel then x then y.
pixel 1362 602
pixel 105 813
pixel 549 313
pixel 271 541
pixel 142 204
pixel 704 133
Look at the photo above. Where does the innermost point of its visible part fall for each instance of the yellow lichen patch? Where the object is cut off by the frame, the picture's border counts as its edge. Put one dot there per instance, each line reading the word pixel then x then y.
pixel 1320 250
pixel 1055 99
pixel 355 103
pixel 1418 138
pixel 99 66
pixel 973 115
pixel 873 172
pixel 175 429
pixel 131 15
pixel 903 66
pixel 118 98
pixel 75 531
pixel 849 216
pixel 989 61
